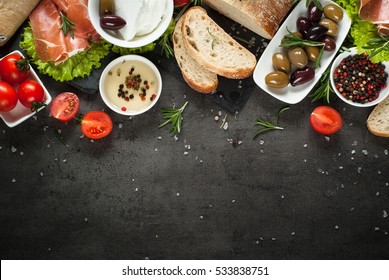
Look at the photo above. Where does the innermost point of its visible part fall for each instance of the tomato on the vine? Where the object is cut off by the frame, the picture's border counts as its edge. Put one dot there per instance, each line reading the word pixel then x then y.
pixel 8 97
pixel 14 69
pixel 96 125
pixel 181 3
pixel 65 106
pixel 326 120
pixel 31 93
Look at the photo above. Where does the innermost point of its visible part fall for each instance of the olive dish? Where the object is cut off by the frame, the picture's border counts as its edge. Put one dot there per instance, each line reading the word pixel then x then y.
pixel 294 94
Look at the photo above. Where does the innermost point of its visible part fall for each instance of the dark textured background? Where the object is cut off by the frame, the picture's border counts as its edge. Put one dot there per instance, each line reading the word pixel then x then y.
pixel 291 194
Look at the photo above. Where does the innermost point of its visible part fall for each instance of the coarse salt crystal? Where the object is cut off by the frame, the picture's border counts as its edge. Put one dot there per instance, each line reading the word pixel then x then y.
pixel 340 167
pixel 261 142
pixel 379 172
pixel 13 149
pixel 327 138
pixel 376 228
pixel 233 201
pixel 359 169
pixel 384 214
pixel 377 194
pixel 201 217
pixel 64 160
pixel 41 173
pixel 178 194
pixel 225 126
pixel 220 113
pixel 156 150
pixel 21 153
pixel 159 138
pixel 386 152
pixel 292 233
pixel 305 145
pixel 13 180
pixel 175 138
pixel 364 152
pixel 216 118
pixel 336 227
pixel 120 125
pixel 353 152
pixel 186 153
pixel 85 219
pixel 355 143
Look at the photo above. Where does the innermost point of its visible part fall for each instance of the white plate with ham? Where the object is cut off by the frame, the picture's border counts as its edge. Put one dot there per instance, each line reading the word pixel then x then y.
pixel 290 94
pixel 21 113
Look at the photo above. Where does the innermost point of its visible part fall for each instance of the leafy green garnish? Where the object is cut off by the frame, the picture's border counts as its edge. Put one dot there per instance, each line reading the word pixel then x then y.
pixel 79 65
pixel 377 45
pixel 173 116
pixel 165 41
pixel 125 51
pixel 363 32
pixel 268 125
pixel 324 89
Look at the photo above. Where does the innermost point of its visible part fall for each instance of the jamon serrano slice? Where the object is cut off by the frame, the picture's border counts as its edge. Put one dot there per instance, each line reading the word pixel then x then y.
pixel 50 42
pixel 377 11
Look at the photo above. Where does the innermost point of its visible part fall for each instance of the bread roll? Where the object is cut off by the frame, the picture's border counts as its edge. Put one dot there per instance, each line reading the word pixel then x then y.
pixel 12 14
pixel 378 121
pixel 260 16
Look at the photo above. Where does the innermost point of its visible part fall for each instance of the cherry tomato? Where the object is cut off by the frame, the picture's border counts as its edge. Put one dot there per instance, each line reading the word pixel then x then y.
pixel 64 106
pixel 326 120
pixel 14 69
pixel 181 3
pixel 8 97
pixel 30 92
pixel 96 125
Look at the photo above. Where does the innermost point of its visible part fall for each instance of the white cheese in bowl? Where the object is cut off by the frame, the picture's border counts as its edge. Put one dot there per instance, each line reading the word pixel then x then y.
pixel 141 16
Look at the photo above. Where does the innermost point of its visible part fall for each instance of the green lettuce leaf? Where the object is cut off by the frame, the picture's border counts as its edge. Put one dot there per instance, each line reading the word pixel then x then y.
pixel 79 65
pixel 362 31
pixel 125 51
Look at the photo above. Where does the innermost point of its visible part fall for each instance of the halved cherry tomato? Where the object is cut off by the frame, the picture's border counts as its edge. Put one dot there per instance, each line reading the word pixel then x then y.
pixel 181 3
pixel 14 69
pixel 8 97
pixel 96 125
pixel 65 106
pixel 30 92
pixel 326 120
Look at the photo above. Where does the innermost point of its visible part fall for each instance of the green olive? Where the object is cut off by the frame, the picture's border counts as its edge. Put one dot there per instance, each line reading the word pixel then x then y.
pixel 277 79
pixel 312 53
pixel 298 57
pixel 281 62
pixel 333 12
pixel 333 28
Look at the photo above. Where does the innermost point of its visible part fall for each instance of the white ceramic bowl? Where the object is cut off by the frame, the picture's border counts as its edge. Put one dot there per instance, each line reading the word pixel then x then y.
pixel 21 113
pixel 383 93
pixel 138 41
pixel 112 92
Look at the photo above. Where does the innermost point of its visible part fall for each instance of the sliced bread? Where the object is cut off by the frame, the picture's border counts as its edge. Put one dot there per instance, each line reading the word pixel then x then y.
pixel 378 121
pixel 213 48
pixel 260 16
pixel 194 74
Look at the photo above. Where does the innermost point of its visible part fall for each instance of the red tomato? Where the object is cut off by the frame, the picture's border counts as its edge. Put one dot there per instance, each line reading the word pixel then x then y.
pixel 65 106
pixel 8 97
pixel 326 120
pixel 96 125
pixel 30 92
pixel 14 69
pixel 181 3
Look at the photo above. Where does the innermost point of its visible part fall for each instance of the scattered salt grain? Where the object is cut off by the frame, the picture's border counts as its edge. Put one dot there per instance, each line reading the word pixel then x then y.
pixel 186 153
pixel 340 167
pixel 85 219
pixel 355 143
pixel 201 217
pixel 175 138
pixel 178 194
pixel 216 118
pixel 64 160
pixel 327 138
pixel 261 142
pixel 364 152
pixel 159 138
pixel 359 169
pixel 13 149
pixel 292 233
pixel 376 228
pixel 336 227
pixel 92 141
pixel 220 113
pixel 305 160
pixel 21 153
pixel 225 126
pixel 384 214
pixel 41 174
pixel 352 209
pixel 1 147
pixel 257 242
pixel 386 152
pixel 120 125
pixel 377 194
pixel 14 180
pixel 35 117
pixel 379 172
pixel 353 152
pixel 233 201
pixel 49 249
pixel 376 156
pixel 82 136
pixel 273 239
pixel 305 145
pixel 136 189
pixel 156 150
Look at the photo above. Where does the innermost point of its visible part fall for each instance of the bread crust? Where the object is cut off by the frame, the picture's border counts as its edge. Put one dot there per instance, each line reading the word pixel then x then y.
pixel 260 16
pixel 380 111
pixel 12 15
pixel 237 72
pixel 210 80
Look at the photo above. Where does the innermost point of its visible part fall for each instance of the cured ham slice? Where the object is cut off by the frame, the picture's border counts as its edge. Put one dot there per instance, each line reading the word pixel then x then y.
pixel 50 42
pixel 377 11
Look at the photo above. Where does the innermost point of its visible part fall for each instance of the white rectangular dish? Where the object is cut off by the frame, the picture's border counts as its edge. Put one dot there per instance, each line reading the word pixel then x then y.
pixel 20 113
pixel 289 94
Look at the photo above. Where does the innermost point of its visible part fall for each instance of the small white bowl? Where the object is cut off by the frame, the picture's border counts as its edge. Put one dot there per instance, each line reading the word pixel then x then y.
pixel 21 113
pixel 383 93
pixel 108 92
pixel 138 41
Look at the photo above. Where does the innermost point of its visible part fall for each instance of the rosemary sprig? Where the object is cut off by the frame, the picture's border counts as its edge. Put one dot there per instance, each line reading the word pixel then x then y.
pixel 291 40
pixel 60 137
pixel 67 26
pixel 214 39
pixel 377 45
pixel 173 116
pixel 324 90
pixel 268 125
pixel 165 41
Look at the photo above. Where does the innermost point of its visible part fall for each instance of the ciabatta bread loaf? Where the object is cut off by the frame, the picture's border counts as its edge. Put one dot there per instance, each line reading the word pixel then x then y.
pixel 260 16
pixel 378 121
pixel 213 48
pixel 194 74
pixel 12 15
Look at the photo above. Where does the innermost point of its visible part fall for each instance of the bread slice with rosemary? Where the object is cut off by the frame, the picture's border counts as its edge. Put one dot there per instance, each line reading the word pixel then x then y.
pixel 378 121
pixel 194 74
pixel 213 48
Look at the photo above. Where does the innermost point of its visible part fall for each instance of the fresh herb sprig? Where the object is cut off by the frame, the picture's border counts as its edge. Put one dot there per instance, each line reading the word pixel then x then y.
pixel 324 90
pixel 173 116
pixel 165 42
pixel 67 26
pixel 316 2
pixel 268 125
pixel 377 45
pixel 214 39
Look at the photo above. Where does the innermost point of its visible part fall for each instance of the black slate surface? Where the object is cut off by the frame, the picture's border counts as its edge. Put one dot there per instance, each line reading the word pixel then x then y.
pixel 141 194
